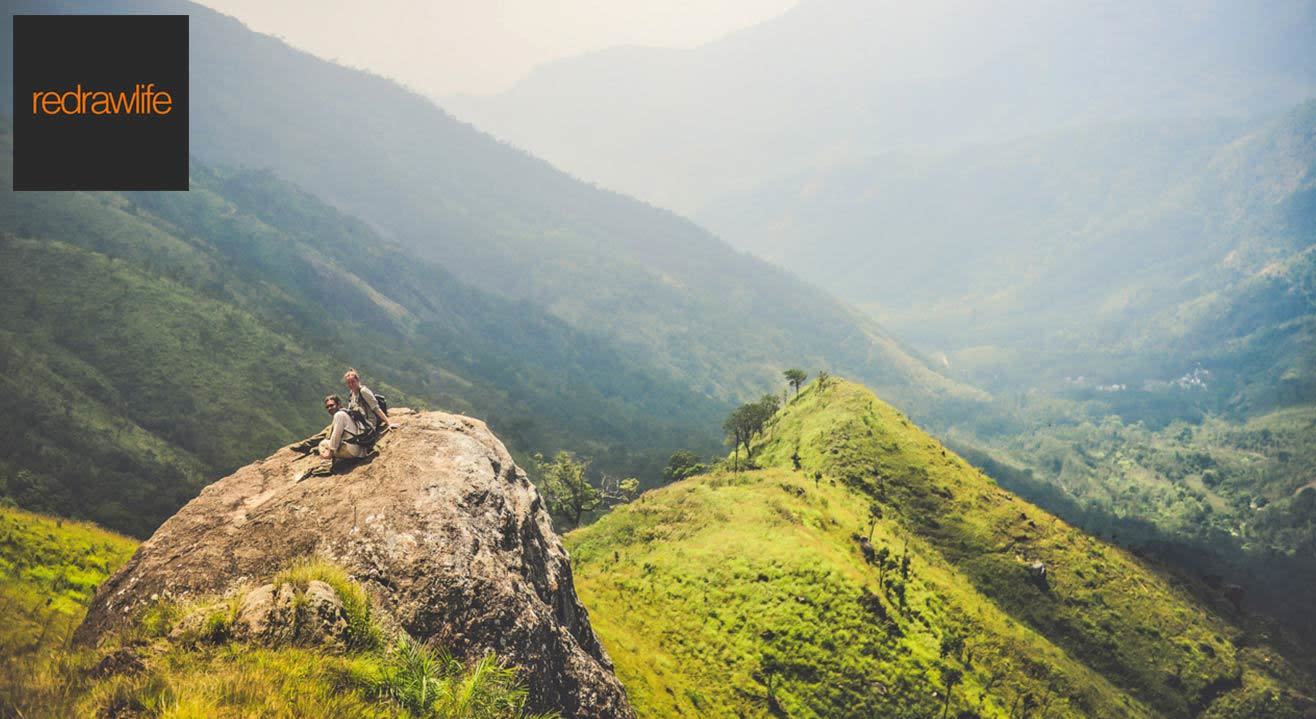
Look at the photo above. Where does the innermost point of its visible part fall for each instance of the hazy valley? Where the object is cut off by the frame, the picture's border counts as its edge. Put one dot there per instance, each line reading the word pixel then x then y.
pixel 1061 256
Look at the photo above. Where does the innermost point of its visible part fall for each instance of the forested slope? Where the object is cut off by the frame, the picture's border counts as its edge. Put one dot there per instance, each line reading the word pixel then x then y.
pixel 157 340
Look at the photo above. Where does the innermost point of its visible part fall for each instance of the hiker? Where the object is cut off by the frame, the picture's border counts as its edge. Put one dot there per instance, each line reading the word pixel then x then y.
pixel 361 399
pixel 340 440
pixel 343 432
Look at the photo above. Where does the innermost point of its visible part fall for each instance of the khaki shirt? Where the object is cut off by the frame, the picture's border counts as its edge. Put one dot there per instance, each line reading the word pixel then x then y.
pixel 365 403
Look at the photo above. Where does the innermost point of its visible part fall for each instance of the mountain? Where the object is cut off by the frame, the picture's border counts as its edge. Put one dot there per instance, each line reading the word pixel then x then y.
pixel 991 253
pixel 159 339
pixel 833 80
pixel 858 568
pixel 649 282
pixel 1027 192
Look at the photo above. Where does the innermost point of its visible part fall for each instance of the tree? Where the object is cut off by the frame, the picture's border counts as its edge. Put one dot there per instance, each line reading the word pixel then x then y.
pixel 884 563
pixel 795 377
pixel 771 667
pixel 950 676
pixel 619 491
pixel 874 514
pixel 735 429
pixel 569 493
pixel 824 379
pixel 683 463
pixel 952 644
pixel 747 421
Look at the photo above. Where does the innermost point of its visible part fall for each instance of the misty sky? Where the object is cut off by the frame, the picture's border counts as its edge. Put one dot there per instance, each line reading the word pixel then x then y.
pixel 480 46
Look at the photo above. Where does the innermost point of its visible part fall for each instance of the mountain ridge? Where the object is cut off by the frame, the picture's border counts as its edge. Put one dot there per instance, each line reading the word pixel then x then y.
pixel 826 80
pixel 802 612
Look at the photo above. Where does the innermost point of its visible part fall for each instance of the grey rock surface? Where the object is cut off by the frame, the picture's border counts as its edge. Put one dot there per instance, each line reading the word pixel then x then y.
pixel 271 615
pixel 442 528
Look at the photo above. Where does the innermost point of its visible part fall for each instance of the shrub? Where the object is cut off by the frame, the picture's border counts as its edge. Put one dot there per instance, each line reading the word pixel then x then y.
pixel 363 632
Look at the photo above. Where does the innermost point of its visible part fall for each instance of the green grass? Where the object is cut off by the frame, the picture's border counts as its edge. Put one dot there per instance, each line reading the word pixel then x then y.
pixel 363 630
pixel 49 569
pixel 185 669
pixel 747 594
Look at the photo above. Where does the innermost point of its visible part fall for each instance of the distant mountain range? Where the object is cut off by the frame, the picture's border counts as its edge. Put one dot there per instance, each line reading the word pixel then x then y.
pixel 999 183
pixel 337 219
pixel 1121 252
pixel 833 80
pixel 647 280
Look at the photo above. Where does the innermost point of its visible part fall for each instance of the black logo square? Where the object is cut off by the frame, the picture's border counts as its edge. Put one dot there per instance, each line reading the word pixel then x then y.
pixel 100 102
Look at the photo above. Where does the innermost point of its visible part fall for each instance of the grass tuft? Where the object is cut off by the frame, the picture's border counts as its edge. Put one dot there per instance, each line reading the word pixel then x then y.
pixel 363 632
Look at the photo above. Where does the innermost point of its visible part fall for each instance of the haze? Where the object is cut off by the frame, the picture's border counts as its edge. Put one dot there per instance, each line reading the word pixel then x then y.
pixel 451 46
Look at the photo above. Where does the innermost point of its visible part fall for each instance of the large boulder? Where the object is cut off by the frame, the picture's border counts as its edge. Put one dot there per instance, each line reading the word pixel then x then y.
pixel 442 528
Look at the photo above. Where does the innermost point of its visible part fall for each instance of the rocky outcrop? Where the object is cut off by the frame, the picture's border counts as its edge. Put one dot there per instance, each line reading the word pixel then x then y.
pixel 442 528
pixel 274 615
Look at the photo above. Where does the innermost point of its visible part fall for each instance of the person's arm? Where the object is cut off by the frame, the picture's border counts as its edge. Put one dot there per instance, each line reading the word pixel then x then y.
pixel 310 443
pixel 368 398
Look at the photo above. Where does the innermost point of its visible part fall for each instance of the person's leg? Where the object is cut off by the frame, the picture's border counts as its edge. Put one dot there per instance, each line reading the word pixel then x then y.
pixel 324 467
pixel 308 445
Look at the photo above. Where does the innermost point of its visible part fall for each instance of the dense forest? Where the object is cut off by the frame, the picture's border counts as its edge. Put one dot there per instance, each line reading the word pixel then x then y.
pixel 163 340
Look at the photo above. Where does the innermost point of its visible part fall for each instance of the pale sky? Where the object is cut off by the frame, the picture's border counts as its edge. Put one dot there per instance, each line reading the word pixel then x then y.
pixel 483 46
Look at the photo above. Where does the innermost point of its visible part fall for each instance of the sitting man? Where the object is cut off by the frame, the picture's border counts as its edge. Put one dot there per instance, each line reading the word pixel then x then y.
pixel 340 440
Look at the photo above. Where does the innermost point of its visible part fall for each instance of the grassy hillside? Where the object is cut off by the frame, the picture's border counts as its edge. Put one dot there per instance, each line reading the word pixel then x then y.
pixel 49 569
pixel 749 593
pixel 158 340
pixel 170 667
pixel 1140 304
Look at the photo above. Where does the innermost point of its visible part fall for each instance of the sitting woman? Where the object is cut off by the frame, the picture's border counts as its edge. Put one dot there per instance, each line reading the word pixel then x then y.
pixel 361 399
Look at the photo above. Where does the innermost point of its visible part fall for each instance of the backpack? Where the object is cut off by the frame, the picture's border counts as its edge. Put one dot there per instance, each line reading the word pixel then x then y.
pixel 357 416
pixel 370 429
